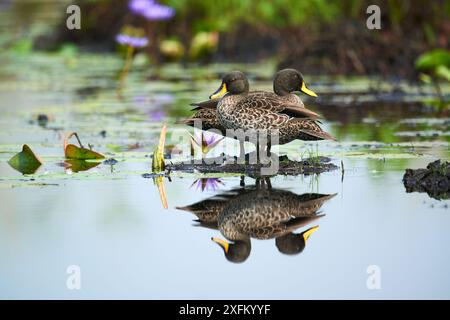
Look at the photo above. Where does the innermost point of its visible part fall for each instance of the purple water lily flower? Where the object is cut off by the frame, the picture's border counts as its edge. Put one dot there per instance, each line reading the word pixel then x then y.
pixel 157 115
pixel 208 184
pixel 135 42
pixel 206 140
pixel 151 10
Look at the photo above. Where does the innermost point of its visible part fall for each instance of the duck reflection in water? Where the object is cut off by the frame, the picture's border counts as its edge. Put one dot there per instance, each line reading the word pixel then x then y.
pixel 259 212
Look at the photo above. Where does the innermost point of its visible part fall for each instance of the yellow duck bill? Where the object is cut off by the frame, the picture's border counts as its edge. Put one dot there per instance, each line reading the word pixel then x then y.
pixel 309 232
pixel 305 90
pixel 219 93
pixel 225 245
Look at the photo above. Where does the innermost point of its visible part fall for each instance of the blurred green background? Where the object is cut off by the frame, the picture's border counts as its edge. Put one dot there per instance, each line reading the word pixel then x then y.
pixel 315 36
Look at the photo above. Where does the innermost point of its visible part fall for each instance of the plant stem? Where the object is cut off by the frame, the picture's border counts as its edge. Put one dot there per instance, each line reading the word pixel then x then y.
pixel 126 69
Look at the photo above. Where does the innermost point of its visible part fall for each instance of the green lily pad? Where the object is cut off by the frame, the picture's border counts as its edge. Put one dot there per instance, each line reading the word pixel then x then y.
pixel 80 165
pixel 71 151
pixel 25 161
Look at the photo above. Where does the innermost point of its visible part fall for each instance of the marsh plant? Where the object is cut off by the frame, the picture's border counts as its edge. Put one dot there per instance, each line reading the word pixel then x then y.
pixel 131 39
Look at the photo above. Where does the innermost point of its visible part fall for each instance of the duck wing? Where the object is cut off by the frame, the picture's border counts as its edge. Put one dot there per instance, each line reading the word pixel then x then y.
pixel 271 102
pixel 311 128
pixel 212 103
pixel 208 104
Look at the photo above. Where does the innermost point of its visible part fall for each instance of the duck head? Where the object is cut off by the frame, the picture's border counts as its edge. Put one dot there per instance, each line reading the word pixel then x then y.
pixel 293 243
pixel 290 80
pixel 237 251
pixel 234 82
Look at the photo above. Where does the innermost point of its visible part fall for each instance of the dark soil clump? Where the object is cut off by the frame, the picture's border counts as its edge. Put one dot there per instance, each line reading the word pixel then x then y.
pixel 286 167
pixel 434 180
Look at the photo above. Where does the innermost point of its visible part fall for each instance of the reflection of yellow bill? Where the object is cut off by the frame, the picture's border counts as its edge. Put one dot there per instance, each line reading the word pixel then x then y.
pixel 305 90
pixel 225 245
pixel 309 232
pixel 219 92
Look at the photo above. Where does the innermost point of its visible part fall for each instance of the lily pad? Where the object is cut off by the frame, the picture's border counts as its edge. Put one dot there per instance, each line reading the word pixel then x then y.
pixel 71 151
pixel 79 165
pixel 25 161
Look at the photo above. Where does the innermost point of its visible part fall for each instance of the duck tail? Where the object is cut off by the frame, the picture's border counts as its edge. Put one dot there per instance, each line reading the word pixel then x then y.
pixel 299 222
pixel 312 129
pixel 209 104
pixel 322 135
pixel 296 111
pixel 188 121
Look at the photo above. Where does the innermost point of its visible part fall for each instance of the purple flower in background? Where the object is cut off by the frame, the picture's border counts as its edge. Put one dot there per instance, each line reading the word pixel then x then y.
pixel 139 6
pixel 151 10
pixel 208 184
pixel 157 115
pixel 135 42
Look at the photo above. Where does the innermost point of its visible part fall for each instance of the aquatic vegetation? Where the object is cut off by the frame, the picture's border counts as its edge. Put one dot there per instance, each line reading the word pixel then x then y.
pixel 159 182
pixel 203 44
pixel 172 49
pixel 311 153
pixel 75 165
pixel 72 151
pixel 435 62
pixel 151 10
pixel 134 42
pixel 131 38
pixel 205 140
pixel 435 66
pixel 158 163
pixel 25 161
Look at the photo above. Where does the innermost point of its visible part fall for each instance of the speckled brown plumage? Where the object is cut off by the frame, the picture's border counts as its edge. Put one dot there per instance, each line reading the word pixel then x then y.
pixel 261 112
pixel 207 119
pixel 206 113
pixel 208 210
pixel 281 113
pixel 265 214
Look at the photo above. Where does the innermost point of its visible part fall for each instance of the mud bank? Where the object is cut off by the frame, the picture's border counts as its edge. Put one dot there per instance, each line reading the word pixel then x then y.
pixel 434 180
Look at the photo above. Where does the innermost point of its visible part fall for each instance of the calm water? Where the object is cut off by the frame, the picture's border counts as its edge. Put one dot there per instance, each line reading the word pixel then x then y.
pixel 111 223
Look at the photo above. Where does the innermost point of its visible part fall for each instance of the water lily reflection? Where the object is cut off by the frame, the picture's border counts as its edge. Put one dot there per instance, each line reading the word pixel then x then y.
pixel 208 184
pixel 74 165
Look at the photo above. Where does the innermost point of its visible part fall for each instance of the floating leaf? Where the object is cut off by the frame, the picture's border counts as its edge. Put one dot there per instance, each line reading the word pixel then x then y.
pixel 79 165
pixel 71 151
pixel 158 155
pixel 25 161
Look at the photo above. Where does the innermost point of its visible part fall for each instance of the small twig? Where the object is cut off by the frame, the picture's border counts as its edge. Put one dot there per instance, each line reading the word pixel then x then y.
pixel 79 141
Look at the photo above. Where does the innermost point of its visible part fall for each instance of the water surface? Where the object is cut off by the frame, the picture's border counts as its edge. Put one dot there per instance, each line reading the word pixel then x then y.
pixel 111 223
